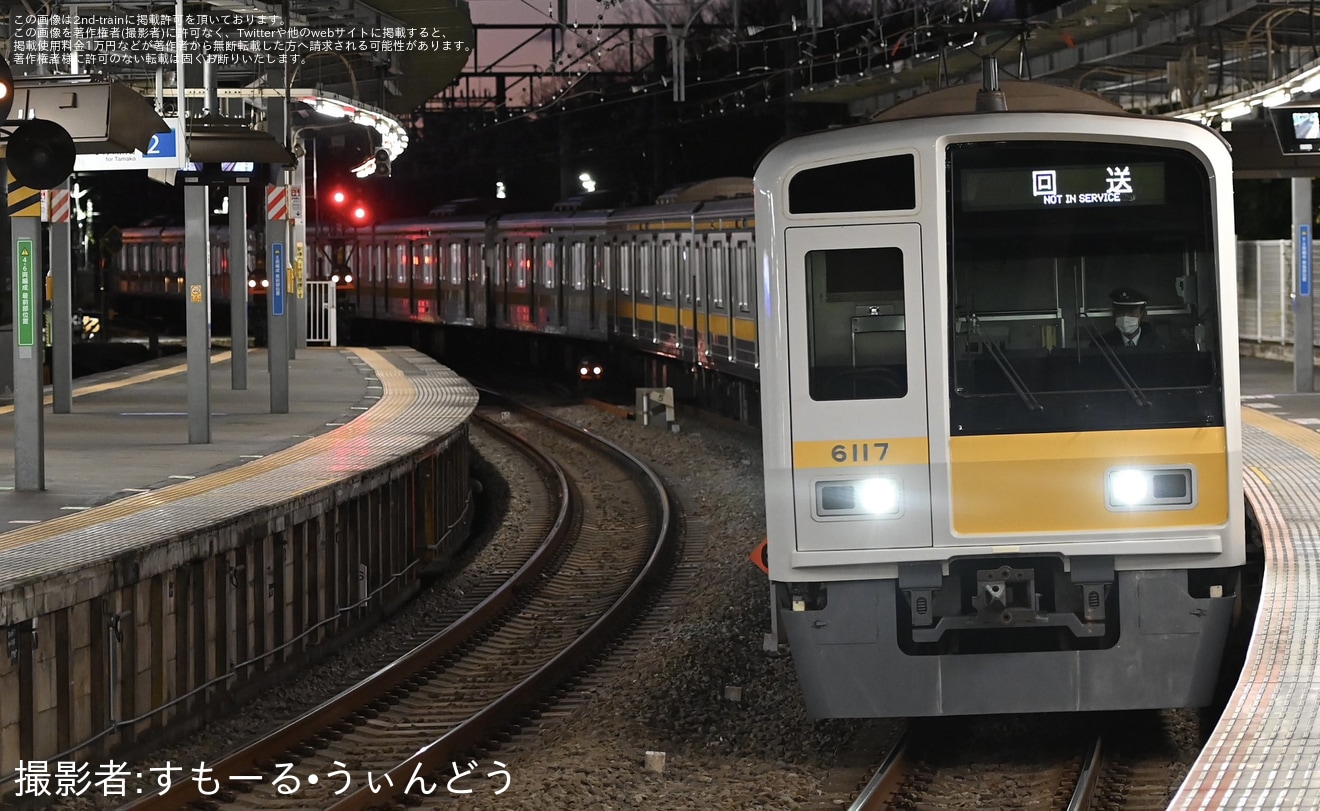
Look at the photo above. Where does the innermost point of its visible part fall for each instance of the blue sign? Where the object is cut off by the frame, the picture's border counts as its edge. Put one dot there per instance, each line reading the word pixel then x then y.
pixel 163 145
pixel 277 278
pixel 1304 260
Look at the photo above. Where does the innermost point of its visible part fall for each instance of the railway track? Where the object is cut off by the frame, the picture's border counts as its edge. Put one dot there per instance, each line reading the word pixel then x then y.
pixel 1133 762
pixel 444 702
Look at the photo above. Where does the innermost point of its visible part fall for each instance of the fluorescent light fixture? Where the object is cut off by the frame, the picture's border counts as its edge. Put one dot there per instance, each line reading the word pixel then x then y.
pixel 1235 111
pixel 1278 97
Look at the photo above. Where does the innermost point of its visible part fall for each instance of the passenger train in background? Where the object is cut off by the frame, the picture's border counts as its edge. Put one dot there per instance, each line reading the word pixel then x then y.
pixel 974 503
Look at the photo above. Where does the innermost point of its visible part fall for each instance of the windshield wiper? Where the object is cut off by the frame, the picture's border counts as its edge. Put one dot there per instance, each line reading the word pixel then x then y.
pixel 1111 357
pixel 1014 379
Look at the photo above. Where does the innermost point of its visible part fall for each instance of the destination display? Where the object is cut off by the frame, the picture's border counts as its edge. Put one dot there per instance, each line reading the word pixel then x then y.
pixel 1046 187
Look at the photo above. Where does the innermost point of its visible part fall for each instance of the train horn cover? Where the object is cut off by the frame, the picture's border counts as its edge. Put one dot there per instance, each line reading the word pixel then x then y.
pixel 40 154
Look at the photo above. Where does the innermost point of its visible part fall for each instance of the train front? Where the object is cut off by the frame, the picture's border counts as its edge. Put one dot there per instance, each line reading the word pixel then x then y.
pixel 999 388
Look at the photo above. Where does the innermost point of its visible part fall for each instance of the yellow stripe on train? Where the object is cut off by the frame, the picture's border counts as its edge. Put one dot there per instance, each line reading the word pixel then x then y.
pixel 1031 483
pixel 744 329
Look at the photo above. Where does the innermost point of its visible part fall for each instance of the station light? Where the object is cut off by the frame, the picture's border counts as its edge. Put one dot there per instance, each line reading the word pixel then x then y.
pixel 6 89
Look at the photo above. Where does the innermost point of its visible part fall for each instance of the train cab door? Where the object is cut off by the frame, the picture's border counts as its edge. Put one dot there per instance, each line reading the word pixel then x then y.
pixel 857 387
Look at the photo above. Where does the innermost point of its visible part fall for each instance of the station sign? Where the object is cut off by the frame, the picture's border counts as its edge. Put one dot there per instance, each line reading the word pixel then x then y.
pixel 277 281
pixel 163 152
pixel 28 303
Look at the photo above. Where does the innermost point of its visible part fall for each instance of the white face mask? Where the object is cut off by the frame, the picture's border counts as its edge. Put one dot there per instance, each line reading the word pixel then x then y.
pixel 1127 324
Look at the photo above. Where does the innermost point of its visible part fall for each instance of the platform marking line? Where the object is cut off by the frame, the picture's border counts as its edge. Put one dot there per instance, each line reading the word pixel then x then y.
pixel 400 394
pixel 110 385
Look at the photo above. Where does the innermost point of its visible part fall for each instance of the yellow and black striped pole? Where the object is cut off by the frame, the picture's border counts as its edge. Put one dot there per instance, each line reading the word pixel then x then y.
pixel 23 202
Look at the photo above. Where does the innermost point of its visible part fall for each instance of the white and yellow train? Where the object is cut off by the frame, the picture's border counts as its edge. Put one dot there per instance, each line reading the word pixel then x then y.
pixel 977 501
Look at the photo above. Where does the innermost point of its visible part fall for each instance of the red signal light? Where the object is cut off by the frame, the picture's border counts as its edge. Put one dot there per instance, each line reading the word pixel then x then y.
pixel 359 214
pixel 338 197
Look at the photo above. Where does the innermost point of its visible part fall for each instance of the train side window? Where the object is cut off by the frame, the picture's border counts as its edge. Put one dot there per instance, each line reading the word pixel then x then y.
pixel 579 266
pixel 668 258
pixel 856 324
pixel 873 184
pixel 742 277
pixel 719 273
pixel 497 269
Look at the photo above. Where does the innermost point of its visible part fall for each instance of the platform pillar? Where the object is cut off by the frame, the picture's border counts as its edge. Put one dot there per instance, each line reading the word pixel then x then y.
pixel 238 289
pixel 61 305
pixel 29 430
pixel 277 307
pixel 1303 304
pixel 197 280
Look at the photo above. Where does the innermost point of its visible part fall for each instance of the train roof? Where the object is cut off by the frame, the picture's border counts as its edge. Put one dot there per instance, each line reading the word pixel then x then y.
pixel 1019 97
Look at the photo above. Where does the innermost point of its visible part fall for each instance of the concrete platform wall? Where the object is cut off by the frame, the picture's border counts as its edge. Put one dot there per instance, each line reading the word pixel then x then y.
pixel 116 672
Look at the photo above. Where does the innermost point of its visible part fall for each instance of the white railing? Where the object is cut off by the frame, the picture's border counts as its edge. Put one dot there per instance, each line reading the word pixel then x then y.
pixel 322 318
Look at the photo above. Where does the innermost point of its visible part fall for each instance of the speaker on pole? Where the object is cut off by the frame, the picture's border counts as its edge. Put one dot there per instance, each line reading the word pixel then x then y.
pixel 40 154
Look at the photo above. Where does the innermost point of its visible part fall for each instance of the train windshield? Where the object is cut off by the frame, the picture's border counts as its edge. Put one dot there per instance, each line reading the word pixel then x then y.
pixel 1083 289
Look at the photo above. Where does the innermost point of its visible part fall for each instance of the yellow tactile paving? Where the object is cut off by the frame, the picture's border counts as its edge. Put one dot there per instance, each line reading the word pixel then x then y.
pixel 1262 754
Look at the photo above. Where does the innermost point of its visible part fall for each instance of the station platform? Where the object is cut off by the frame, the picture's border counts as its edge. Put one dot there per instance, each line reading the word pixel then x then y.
pixel 1265 751
pixel 128 432
pixel 154 581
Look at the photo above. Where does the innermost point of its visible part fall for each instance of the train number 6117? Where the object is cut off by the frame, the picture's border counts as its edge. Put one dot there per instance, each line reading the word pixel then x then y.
pixel 860 452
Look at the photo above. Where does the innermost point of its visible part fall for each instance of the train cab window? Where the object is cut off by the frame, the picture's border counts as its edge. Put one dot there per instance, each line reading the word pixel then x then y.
pixel 856 324
pixel 1043 236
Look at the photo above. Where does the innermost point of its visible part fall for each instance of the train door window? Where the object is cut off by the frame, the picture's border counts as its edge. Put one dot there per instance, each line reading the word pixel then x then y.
pixel 578 265
pixel 400 262
pixel 520 265
pixel 698 251
pixel 497 268
pixel 454 254
pixel 856 324
pixel 687 278
pixel 668 258
pixel 645 260
pixel 742 276
pixel 625 267
pixel 605 265
pixel 719 273
pixel 548 264
pixel 428 264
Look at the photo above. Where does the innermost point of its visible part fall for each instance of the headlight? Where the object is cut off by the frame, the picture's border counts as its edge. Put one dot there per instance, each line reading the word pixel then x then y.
pixel 1150 488
pixel 878 497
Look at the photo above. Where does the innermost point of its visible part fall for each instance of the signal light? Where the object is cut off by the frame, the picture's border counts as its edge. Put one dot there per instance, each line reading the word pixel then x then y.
pixel 359 215
pixel 338 197
pixel 382 168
